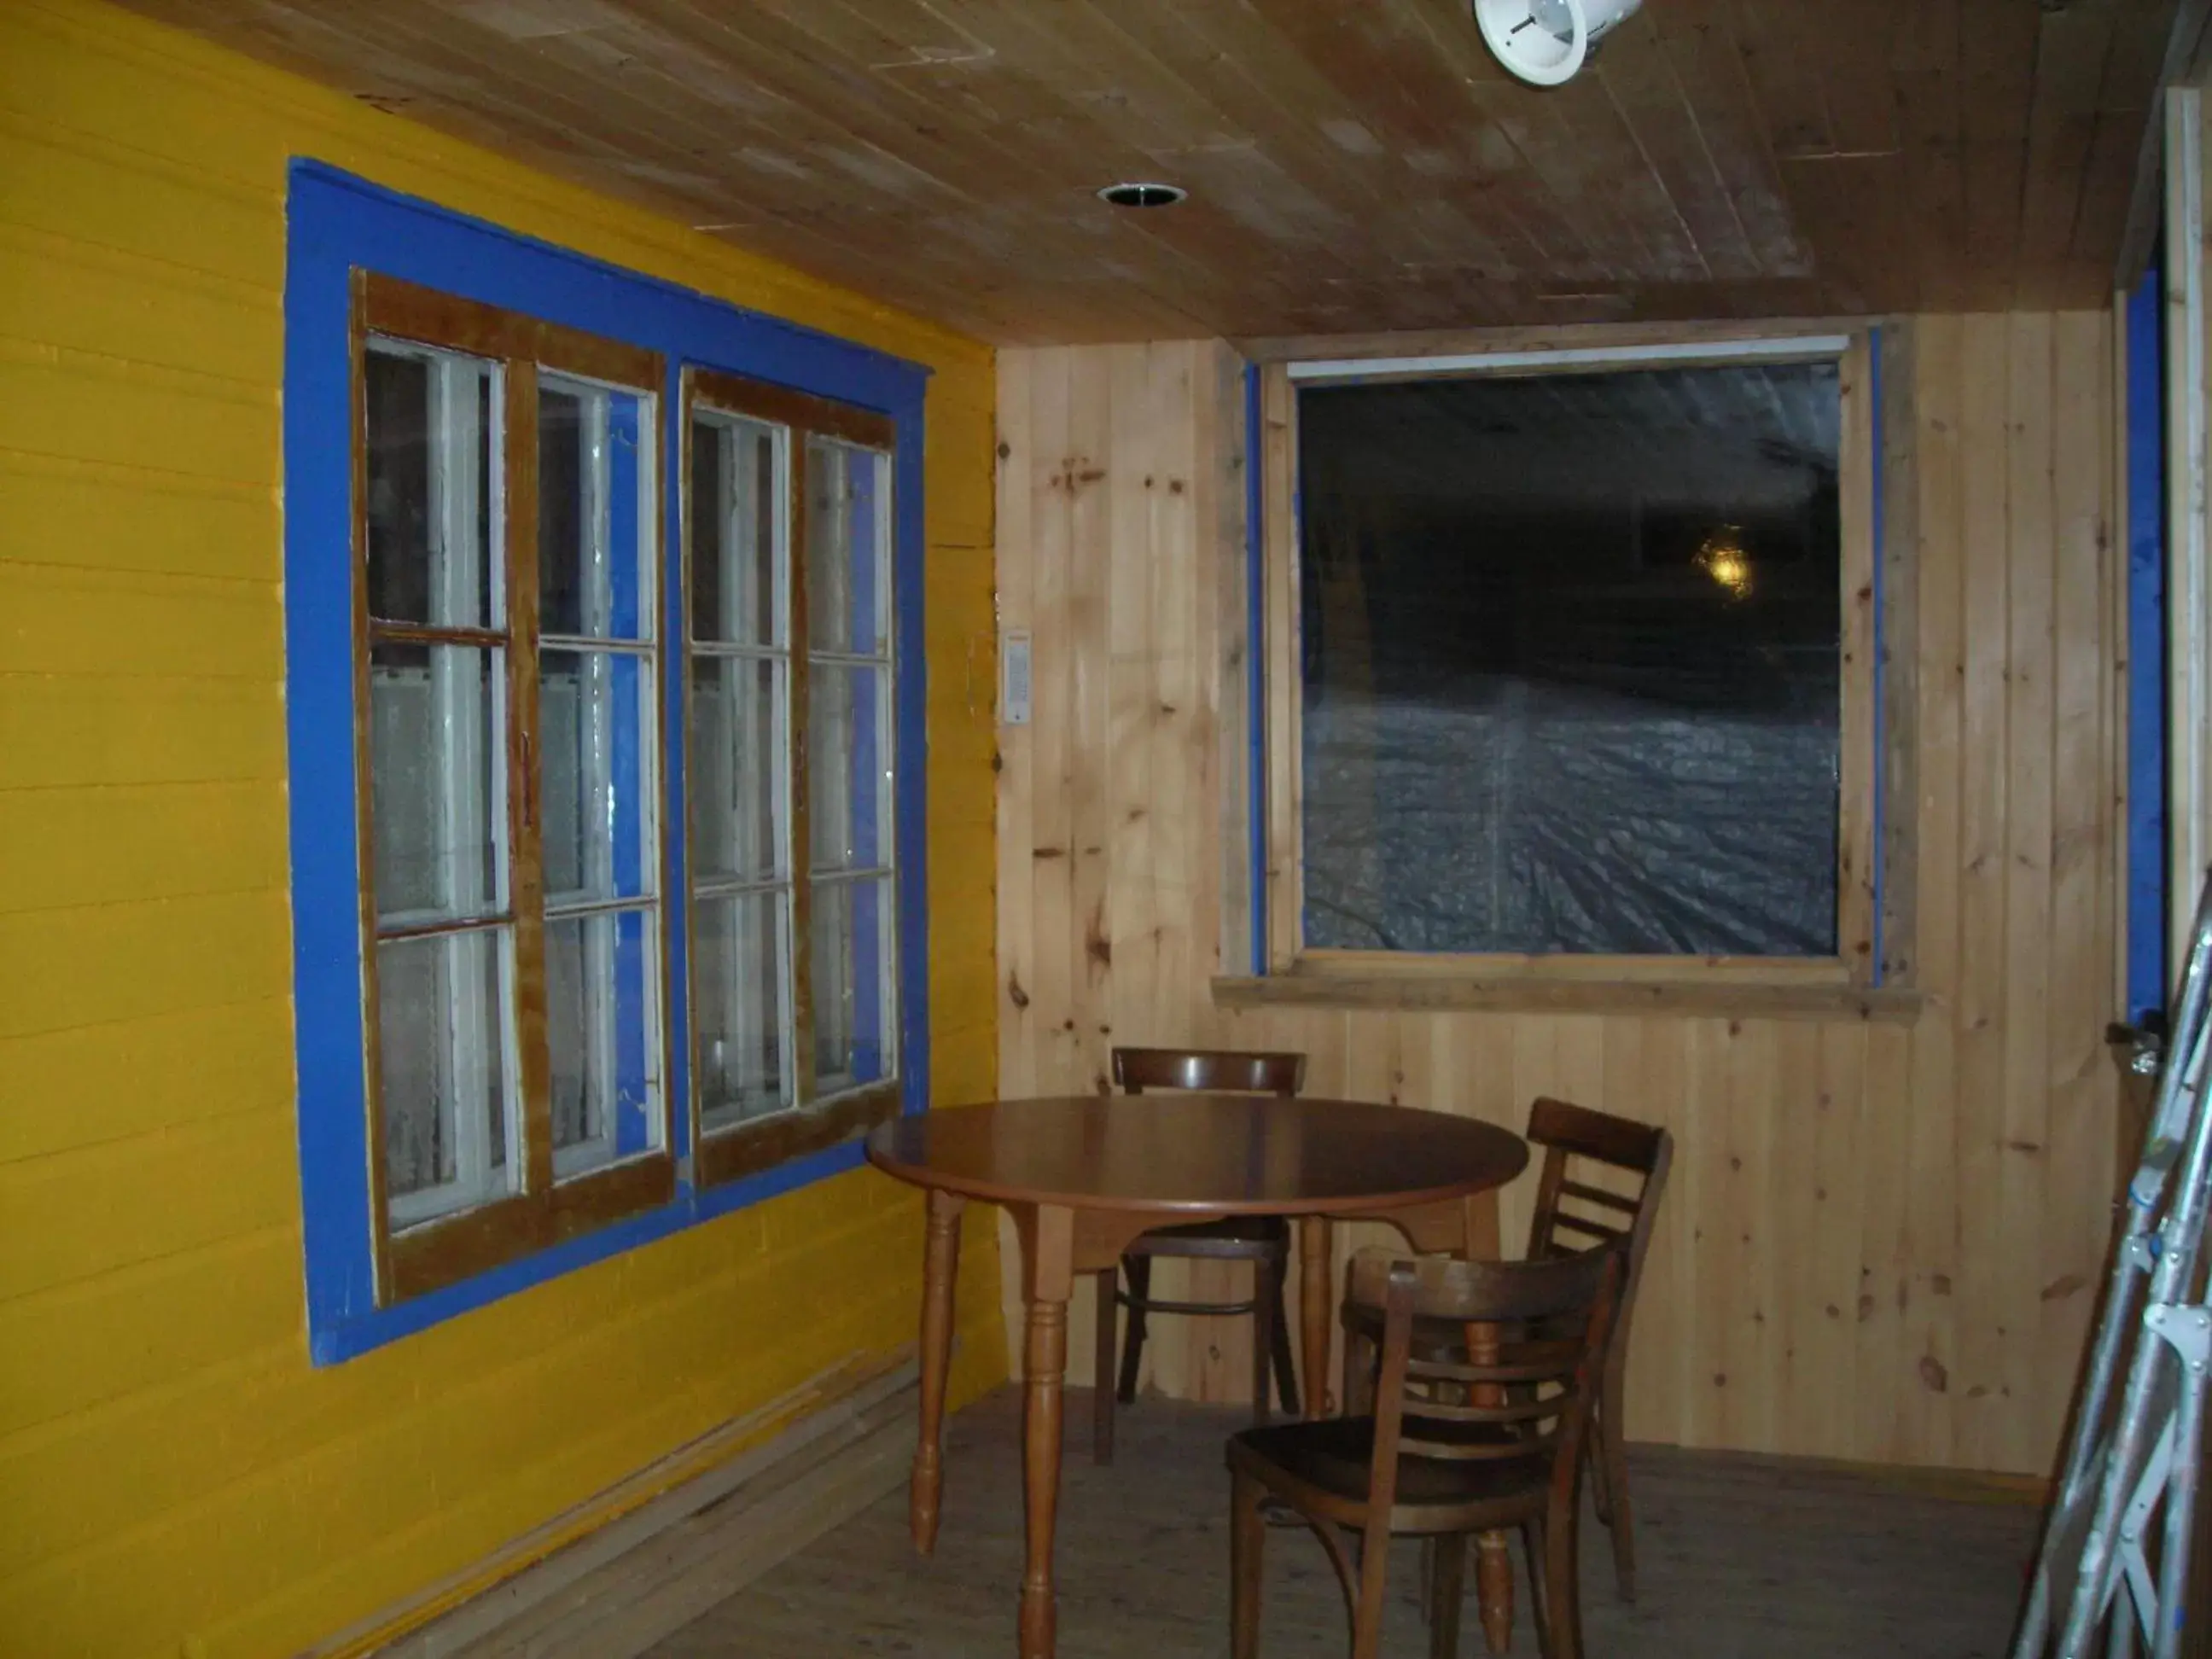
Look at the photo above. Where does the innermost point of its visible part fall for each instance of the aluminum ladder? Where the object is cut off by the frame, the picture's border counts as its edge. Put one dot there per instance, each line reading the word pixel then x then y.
pixel 2132 1458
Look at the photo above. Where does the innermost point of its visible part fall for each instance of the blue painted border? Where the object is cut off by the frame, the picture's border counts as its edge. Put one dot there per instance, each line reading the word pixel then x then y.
pixel 2145 641
pixel 1256 663
pixel 1881 650
pixel 336 222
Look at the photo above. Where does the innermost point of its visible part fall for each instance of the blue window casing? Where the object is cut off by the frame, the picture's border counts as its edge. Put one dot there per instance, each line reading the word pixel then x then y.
pixel 336 223
pixel 1256 665
pixel 2146 640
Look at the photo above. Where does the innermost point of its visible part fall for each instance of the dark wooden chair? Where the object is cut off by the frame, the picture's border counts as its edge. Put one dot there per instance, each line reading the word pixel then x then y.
pixel 1440 1449
pixel 1263 1240
pixel 1572 1215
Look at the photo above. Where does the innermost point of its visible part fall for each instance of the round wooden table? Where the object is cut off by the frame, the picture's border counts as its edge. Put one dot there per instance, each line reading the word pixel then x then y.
pixel 1083 1175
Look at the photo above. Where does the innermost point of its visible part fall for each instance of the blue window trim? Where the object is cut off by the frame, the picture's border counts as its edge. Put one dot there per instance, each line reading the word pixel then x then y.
pixel 1255 667
pixel 2146 641
pixel 336 222
pixel 1876 967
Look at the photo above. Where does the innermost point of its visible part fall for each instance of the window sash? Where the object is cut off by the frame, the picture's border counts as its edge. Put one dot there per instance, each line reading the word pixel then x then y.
pixel 1280 885
pixel 418 1245
pixel 823 1108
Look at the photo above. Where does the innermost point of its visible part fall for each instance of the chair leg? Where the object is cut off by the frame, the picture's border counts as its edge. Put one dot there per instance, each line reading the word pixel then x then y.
pixel 1247 1538
pixel 1374 1568
pixel 1532 1550
pixel 1612 1454
pixel 1263 1334
pixel 1447 1591
pixel 1139 1270
pixel 1286 1375
pixel 1562 1591
pixel 1101 1371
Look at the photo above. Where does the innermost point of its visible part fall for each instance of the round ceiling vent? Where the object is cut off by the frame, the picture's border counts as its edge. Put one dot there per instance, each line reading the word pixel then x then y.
pixel 1546 42
pixel 1142 195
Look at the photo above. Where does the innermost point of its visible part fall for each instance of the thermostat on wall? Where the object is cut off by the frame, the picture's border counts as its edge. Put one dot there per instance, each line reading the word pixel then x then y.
pixel 1014 652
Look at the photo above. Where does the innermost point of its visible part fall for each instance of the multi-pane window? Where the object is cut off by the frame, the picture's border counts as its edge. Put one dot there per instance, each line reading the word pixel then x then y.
pixel 506 527
pixel 791 918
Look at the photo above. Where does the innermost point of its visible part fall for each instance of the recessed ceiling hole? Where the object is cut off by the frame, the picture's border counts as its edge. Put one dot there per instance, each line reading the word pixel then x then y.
pixel 1142 195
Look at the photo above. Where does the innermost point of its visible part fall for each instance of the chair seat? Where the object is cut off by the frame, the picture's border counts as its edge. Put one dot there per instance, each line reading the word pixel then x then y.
pixel 1232 1236
pixel 1333 1457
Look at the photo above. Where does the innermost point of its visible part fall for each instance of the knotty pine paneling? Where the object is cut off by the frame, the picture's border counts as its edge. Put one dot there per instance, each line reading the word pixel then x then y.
pixel 1883 1239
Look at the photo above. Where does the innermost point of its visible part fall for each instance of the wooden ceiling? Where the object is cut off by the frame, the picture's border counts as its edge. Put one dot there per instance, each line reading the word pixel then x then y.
pixel 1354 165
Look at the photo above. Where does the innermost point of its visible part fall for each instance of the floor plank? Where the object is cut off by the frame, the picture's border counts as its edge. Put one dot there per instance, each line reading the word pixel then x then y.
pixel 1739 1556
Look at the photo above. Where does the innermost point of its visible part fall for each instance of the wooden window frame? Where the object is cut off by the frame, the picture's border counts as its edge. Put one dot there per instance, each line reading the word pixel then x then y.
pixel 1875 820
pixel 545 1211
pixel 812 1122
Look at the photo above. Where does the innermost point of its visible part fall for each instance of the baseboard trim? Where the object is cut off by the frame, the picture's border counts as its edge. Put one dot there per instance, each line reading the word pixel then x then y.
pixel 744 1496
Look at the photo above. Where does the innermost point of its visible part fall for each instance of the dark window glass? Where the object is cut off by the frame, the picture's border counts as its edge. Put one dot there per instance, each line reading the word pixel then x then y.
pixel 1571 665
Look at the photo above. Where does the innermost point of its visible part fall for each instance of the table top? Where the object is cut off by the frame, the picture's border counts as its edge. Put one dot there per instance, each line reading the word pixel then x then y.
pixel 1191 1151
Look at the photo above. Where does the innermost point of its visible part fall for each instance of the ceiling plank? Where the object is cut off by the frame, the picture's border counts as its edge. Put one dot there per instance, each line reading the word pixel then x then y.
pixel 1355 167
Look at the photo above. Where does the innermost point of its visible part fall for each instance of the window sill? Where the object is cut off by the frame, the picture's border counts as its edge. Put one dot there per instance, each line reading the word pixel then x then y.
pixel 1724 998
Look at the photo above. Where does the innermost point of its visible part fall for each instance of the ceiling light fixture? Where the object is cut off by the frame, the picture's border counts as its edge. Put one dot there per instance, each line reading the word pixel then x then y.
pixel 1546 42
pixel 1142 195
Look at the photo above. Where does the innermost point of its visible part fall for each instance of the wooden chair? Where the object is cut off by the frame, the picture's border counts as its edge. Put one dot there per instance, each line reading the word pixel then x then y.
pixel 1568 1133
pixel 1264 1241
pixel 1447 1448
pixel 1572 1215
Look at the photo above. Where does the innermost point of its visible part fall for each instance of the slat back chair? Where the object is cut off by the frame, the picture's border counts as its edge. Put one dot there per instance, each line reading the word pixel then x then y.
pixel 1264 1241
pixel 1449 1447
pixel 1573 1214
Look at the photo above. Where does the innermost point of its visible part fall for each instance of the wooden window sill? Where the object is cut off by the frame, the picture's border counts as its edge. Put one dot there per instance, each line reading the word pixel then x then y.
pixel 1725 998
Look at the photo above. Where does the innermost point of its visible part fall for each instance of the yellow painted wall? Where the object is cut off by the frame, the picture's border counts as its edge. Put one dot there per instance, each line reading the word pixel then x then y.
pixel 174 1478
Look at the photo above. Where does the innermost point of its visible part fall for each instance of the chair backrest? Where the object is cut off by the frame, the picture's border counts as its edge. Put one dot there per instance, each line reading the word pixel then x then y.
pixel 1572 1215
pixel 1230 1070
pixel 1537 1335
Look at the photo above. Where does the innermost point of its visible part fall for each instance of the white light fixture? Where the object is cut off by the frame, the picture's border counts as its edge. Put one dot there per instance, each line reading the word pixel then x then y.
pixel 1547 41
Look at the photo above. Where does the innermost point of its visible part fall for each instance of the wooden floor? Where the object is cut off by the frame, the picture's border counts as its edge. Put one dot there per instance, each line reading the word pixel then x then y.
pixel 1741 1557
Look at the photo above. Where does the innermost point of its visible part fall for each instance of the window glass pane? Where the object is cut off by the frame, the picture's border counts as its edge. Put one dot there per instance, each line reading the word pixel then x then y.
pixel 847 549
pixel 1572 664
pixel 596 711
pixel 595 516
pixel 443 1047
pixel 737 723
pixel 739 1010
pixel 437 782
pixel 603 1019
pixel 432 490
pixel 852 960
pixel 737 496
pixel 848 767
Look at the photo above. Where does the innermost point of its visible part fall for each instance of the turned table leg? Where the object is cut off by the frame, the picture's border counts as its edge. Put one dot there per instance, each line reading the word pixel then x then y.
pixel 1047 1241
pixel 1315 1249
pixel 940 1267
pixel 1493 1559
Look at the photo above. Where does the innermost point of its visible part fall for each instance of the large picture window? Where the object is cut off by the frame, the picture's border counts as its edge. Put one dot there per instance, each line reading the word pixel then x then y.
pixel 1573 666
pixel 1569 680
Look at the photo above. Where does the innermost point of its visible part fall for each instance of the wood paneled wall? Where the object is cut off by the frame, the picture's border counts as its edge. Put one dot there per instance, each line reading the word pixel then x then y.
pixel 1884 1239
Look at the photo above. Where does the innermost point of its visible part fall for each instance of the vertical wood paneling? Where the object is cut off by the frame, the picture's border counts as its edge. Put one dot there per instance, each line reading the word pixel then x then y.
pixel 1881 1239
